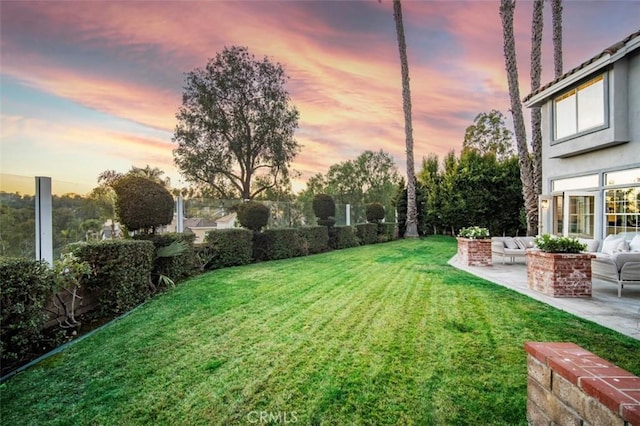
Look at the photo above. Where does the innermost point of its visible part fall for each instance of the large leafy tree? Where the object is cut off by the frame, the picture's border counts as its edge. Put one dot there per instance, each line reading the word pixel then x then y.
pixel 412 212
pixel 488 134
pixel 236 124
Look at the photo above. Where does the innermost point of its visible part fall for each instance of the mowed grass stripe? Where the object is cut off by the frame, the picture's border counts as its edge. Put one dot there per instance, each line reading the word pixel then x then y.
pixel 382 334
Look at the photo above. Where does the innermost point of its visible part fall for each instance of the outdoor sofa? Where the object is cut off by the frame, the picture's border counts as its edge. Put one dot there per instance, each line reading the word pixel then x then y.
pixel 618 260
pixel 511 247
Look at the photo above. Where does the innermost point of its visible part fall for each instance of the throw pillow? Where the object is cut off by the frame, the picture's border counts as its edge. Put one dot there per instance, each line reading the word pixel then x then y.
pixel 611 243
pixel 634 245
pixel 623 246
pixel 510 243
pixel 521 244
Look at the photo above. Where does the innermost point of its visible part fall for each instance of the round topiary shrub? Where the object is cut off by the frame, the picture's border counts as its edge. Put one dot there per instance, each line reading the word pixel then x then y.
pixel 326 222
pixel 142 204
pixel 374 212
pixel 323 206
pixel 253 215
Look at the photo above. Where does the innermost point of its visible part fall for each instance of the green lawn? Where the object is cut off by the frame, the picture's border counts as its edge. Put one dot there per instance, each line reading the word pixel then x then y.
pixel 382 334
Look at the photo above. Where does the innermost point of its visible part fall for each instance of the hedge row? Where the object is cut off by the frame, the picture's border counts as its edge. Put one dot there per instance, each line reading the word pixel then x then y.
pixel 25 287
pixel 122 271
pixel 233 247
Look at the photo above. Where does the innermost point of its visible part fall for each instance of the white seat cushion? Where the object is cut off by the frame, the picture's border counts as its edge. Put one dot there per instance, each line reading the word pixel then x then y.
pixel 634 245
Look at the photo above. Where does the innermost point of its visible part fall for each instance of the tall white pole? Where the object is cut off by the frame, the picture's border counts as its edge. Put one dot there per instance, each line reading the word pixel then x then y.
pixel 44 220
pixel 348 212
pixel 180 214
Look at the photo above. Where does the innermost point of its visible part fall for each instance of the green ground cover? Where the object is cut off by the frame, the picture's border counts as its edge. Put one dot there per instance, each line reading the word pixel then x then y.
pixel 381 334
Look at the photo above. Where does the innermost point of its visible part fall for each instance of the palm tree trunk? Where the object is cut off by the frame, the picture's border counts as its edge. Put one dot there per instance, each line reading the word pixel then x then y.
pixel 412 213
pixel 536 69
pixel 556 14
pixel 529 192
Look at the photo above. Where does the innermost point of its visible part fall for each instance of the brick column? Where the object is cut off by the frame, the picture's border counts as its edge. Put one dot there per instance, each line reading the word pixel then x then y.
pixel 559 274
pixel 473 252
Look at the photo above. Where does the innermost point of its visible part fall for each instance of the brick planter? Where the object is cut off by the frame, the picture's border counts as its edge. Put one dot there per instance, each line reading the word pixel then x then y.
pixel 559 274
pixel 474 252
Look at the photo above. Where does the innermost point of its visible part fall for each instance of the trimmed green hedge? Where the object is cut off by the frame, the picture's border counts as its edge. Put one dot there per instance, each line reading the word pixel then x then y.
pixel 122 271
pixel 176 267
pixel 280 243
pixel 387 231
pixel 229 247
pixel 367 233
pixel 25 286
pixel 342 237
pixel 317 238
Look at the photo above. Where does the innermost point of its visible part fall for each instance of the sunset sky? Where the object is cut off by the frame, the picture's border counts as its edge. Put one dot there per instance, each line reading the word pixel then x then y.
pixel 91 86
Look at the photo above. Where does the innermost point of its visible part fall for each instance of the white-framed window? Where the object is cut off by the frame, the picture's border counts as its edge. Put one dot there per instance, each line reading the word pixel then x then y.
pixel 580 109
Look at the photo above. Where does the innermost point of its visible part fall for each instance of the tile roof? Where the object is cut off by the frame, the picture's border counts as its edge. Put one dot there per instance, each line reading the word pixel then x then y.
pixel 608 51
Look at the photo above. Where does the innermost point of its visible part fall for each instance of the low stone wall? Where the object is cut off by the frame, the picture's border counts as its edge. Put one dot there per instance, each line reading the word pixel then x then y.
pixel 475 252
pixel 559 274
pixel 570 385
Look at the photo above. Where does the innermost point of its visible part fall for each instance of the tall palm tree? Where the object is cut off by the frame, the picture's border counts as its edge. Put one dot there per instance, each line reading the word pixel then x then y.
pixel 529 186
pixel 556 15
pixel 536 115
pixel 412 212
pixel 154 174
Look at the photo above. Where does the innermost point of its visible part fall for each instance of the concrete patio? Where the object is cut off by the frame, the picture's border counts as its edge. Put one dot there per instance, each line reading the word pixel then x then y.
pixel 604 307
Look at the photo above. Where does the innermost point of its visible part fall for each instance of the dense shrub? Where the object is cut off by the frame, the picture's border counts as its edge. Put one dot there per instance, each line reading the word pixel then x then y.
pixel 122 272
pixel 280 243
pixel 327 222
pixel 175 267
pixel 387 231
pixel 323 206
pixel 374 212
pixel 25 286
pixel 253 215
pixel 228 247
pixel 342 237
pixel 142 204
pixel 317 238
pixel 367 233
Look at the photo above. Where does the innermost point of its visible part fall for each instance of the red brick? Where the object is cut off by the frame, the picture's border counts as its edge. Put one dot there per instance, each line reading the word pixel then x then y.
pixel 631 414
pixel 567 369
pixel 607 371
pixel 606 394
pixel 631 383
pixel 635 394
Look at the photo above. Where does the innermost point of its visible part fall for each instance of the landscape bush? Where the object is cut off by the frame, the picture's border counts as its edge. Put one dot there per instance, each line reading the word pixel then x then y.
pixel 228 247
pixel 341 237
pixel 253 215
pixel 281 243
pixel 387 231
pixel 324 207
pixel 25 286
pixel 121 272
pixel 175 267
pixel 142 204
pixel 374 212
pixel 367 233
pixel 317 238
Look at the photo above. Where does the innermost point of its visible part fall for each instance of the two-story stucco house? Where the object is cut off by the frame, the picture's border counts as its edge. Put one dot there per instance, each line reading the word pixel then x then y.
pixel 591 145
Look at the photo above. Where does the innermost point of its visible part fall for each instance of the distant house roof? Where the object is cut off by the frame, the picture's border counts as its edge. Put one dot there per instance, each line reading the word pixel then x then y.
pixel 604 58
pixel 228 218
